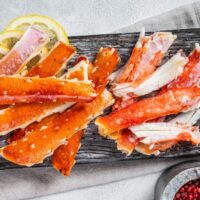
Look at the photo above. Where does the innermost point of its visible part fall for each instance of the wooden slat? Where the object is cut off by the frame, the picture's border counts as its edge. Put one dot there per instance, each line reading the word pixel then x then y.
pixel 95 148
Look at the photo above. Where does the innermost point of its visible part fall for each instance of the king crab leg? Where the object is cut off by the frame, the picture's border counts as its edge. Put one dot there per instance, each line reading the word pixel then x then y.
pixel 170 102
pixel 32 41
pixel 63 158
pixel 27 90
pixel 159 78
pixel 156 137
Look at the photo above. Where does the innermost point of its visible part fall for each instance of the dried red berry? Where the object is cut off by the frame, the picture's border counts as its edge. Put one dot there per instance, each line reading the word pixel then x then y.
pixel 189 191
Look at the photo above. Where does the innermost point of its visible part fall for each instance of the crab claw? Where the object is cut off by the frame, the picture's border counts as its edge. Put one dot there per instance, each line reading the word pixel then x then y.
pixel 32 41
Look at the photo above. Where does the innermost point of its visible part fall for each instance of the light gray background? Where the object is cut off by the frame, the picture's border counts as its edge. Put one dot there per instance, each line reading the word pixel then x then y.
pixel 83 17
pixel 119 182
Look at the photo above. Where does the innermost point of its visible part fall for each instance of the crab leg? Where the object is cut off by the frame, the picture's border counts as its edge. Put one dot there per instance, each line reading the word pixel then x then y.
pixel 19 116
pixel 25 114
pixel 156 137
pixel 183 119
pixel 176 130
pixel 191 74
pixel 171 102
pixel 63 158
pixel 57 128
pixel 145 57
pixel 161 77
pixel 165 131
pixel 54 62
pixel 26 90
pixel 32 41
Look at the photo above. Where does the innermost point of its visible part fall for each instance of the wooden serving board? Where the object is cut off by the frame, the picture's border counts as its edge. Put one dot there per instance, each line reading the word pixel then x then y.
pixel 95 148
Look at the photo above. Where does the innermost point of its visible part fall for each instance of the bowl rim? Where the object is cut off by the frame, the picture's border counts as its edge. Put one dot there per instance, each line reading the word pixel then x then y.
pixel 172 179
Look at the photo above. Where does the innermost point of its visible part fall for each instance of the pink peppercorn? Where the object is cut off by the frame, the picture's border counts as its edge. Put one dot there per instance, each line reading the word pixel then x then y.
pixel 189 191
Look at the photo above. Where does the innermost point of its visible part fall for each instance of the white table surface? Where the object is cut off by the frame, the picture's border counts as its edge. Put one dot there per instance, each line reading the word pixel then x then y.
pixel 82 17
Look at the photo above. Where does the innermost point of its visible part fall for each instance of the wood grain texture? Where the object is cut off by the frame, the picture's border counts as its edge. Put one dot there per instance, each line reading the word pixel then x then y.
pixel 94 148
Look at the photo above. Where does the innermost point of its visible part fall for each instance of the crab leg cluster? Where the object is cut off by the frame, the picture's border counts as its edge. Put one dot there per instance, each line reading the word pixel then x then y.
pixel 45 106
pixel 145 58
pixel 140 125
pixel 47 109
pixel 19 116
pixel 57 128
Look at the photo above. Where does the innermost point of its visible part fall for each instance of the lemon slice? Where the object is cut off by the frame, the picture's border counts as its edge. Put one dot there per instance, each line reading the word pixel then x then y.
pixel 3 50
pixel 44 23
pixel 9 38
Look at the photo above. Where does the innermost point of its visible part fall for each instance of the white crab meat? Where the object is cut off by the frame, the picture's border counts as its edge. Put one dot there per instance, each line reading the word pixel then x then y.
pixel 158 132
pixel 161 77
pixel 190 117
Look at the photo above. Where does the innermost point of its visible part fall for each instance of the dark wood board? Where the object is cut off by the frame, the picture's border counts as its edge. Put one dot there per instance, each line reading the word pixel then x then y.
pixel 94 148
